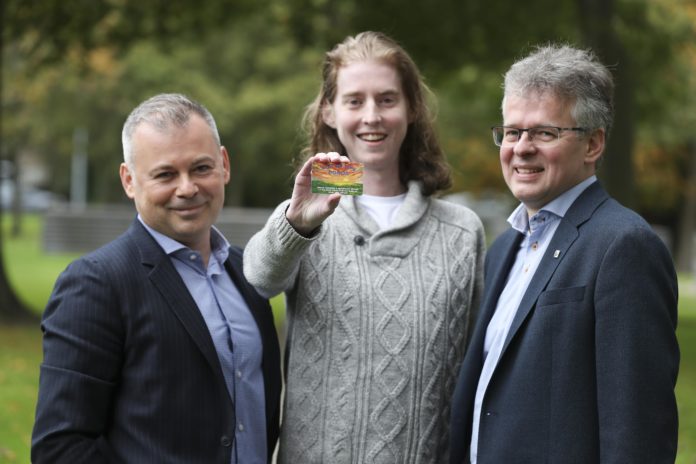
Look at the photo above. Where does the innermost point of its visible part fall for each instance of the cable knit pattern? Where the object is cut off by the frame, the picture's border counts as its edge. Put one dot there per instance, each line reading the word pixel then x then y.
pixel 377 328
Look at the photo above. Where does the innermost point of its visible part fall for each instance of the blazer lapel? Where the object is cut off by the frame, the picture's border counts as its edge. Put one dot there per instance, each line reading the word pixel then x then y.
pixel 562 240
pixel 497 269
pixel 579 212
pixel 168 282
pixel 234 269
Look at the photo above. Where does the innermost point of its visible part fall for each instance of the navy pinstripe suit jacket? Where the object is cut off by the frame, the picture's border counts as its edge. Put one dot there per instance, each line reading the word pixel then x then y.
pixel 130 373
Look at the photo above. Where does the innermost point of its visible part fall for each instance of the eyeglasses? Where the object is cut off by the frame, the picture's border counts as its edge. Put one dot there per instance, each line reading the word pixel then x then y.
pixel 506 136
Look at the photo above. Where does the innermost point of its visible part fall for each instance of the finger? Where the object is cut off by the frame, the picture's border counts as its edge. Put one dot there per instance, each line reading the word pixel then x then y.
pixel 334 199
pixel 321 157
pixel 306 167
pixel 334 157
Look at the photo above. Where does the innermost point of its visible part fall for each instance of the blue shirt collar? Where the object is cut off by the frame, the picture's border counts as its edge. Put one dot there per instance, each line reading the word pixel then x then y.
pixel 219 245
pixel 519 220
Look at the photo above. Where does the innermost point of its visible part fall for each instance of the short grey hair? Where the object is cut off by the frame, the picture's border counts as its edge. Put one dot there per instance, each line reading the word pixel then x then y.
pixel 162 112
pixel 575 75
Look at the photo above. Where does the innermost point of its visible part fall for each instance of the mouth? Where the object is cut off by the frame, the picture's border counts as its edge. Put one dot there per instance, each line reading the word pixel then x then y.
pixel 372 137
pixel 528 171
pixel 186 209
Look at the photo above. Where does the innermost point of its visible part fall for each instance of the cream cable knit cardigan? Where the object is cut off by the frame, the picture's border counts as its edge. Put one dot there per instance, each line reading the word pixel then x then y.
pixel 378 325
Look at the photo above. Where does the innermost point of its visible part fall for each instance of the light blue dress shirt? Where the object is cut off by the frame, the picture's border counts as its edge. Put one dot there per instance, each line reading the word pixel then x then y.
pixel 538 231
pixel 235 335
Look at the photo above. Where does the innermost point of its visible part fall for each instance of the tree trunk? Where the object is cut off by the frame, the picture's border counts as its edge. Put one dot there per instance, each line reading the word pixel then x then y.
pixel 11 309
pixel 687 225
pixel 616 172
pixel 17 199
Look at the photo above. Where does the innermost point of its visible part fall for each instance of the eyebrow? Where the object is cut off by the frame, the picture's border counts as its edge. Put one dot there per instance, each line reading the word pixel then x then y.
pixel 390 92
pixel 543 124
pixel 381 94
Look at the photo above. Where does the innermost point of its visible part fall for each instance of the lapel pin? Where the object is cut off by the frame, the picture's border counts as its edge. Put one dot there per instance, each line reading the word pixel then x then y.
pixel 557 253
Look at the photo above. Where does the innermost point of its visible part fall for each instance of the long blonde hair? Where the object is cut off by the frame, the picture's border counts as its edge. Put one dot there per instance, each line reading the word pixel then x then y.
pixel 421 157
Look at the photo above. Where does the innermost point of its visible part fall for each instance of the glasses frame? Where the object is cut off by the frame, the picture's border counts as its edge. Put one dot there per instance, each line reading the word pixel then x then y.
pixel 529 134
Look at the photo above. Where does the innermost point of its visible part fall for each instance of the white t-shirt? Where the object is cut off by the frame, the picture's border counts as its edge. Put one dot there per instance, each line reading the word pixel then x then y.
pixel 382 209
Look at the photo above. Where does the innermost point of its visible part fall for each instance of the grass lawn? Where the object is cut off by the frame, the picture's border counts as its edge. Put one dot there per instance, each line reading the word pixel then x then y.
pixel 20 355
pixel 686 382
pixel 33 273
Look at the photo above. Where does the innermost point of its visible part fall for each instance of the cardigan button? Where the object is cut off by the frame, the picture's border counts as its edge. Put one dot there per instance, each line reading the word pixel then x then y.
pixel 359 240
pixel 225 441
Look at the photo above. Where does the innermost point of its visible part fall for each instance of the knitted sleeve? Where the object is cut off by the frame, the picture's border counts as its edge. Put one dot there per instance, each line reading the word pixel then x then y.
pixel 272 256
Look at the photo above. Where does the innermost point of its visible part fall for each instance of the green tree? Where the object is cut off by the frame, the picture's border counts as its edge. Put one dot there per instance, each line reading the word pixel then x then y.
pixel 11 309
pixel 255 64
pixel 45 31
pixel 666 145
pixel 83 64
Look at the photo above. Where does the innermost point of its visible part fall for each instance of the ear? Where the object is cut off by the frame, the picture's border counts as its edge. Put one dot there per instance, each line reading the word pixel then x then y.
pixel 126 180
pixel 328 116
pixel 225 163
pixel 595 146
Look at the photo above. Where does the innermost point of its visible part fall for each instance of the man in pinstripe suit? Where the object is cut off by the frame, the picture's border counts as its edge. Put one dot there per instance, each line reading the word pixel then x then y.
pixel 156 349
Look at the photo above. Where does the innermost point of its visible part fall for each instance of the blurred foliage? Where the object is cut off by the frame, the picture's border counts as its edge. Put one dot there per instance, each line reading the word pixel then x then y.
pixel 252 78
pixel 71 64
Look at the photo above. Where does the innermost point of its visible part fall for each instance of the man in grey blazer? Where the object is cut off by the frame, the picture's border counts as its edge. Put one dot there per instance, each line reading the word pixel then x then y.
pixel 574 356
pixel 156 349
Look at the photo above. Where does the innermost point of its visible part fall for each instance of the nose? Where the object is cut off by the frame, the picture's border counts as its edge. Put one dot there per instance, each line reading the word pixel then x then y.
pixel 524 145
pixel 186 187
pixel 371 114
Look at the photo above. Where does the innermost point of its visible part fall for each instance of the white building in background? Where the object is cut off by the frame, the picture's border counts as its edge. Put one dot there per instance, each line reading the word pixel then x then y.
pixel 32 175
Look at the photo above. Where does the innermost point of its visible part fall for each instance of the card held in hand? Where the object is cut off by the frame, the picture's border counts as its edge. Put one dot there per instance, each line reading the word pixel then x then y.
pixel 343 178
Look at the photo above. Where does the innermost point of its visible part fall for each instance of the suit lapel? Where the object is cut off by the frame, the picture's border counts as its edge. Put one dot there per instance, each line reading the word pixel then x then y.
pixel 497 268
pixel 562 240
pixel 234 269
pixel 168 282
pixel 579 212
